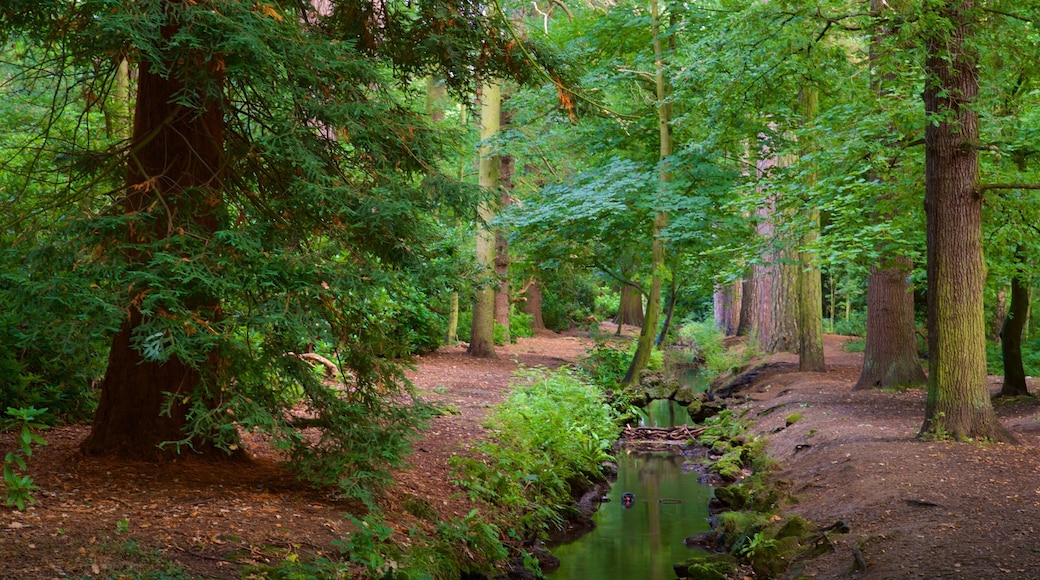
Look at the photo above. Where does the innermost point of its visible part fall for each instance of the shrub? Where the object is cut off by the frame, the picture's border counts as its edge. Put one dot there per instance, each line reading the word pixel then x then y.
pixel 550 437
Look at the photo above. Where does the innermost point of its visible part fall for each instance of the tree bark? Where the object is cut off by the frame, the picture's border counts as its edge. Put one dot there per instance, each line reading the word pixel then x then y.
pixel 783 304
pixel 958 403
pixel 1000 313
pixel 505 183
pixel 482 333
pixel 728 307
pixel 890 359
pixel 630 309
pixel 1011 340
pixel 748 322
pixel 177 166
pixel 533 305
pixel 810 282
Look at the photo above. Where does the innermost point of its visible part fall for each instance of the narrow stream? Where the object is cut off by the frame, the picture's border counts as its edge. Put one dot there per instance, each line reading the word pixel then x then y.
pixel 643 541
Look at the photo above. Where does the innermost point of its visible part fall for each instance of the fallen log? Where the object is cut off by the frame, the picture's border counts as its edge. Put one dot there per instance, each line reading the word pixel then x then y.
pixel 679 433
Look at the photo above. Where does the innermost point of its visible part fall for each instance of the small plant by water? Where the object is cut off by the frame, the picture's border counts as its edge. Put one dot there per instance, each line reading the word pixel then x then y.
pixel 550 439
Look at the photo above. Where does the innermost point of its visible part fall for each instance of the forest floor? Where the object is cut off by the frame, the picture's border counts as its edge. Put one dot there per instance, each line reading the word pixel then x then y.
pixel 916 509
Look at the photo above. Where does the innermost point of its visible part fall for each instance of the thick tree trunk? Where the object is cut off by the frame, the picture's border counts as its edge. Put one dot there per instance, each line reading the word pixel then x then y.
pixel 783 304
pixel 1011 340
pixel 958 403
pixel 890 359
pixel 728 307
pixel 482 333
pixel 177 165
pixel 533 305
pixel 630 310
pixel 748 322
pixel 810 282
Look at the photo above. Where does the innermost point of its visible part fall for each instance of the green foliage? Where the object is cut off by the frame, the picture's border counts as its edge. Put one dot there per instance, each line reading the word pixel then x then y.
pixel 550 437
pixel 520 325
pixel 708 342
pixel 855 345
pixel 793 418
pixel 568 298
pixel 606 363
pixel 854 325
pixel 18 487
pixel 450 550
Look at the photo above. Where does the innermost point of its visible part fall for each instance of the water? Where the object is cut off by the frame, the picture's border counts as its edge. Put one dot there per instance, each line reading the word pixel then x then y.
pixel 644 541
pixel 665 413
pixel 670 505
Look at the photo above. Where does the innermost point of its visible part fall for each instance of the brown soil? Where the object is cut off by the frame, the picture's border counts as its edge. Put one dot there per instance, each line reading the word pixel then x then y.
pixel 916 509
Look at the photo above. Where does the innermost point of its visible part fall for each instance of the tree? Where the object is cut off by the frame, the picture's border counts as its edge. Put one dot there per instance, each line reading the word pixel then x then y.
pixel 890 356
pixel 648 332
pixel 958 403
pixel 1011 339
pixel 176 161
pixel 482 335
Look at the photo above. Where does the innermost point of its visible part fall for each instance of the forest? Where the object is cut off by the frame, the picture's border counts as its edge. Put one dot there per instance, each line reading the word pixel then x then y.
pixel 228 220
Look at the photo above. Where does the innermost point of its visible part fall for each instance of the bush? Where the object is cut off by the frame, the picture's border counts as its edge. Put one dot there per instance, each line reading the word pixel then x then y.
pixel 550 437
pixel 709 343
pixel 855 325
pixel 568 298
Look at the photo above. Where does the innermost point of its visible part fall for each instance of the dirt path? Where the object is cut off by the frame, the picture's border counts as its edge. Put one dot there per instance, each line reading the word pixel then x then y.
pixel 917 509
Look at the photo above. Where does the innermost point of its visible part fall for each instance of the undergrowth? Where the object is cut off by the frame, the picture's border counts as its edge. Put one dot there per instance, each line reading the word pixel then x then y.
pixel 549 440
pixel 709 343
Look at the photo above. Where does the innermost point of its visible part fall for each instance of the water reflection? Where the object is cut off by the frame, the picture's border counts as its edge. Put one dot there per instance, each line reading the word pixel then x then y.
pixel 641 542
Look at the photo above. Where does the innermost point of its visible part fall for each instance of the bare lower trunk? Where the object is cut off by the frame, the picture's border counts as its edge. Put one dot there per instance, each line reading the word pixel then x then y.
pixel 958 403
pixel 890 359
pixel 1000 312
pixel 630 310
pixel 1011 343
pixel 533 305
pixel 783 306
pixel 748 319
pixel 728 307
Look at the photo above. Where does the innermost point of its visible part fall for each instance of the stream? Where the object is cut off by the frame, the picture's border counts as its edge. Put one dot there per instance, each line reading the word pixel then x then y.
pixel 643 541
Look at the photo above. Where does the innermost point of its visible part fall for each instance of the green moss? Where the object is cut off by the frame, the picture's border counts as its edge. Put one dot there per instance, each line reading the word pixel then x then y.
pixel 793 418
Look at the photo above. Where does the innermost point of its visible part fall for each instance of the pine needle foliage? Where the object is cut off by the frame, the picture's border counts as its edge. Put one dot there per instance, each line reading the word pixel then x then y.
pixel 320 236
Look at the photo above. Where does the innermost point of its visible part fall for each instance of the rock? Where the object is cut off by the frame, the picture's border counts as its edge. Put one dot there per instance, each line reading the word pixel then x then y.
pixel 684 395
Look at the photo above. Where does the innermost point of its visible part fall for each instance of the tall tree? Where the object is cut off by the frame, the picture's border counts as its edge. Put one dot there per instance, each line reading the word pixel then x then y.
pixel 482 334
pixel 958 403
pixel 890 356
pixel 810 283
pixel 176 161
pixel 648 332
pixel 1011 337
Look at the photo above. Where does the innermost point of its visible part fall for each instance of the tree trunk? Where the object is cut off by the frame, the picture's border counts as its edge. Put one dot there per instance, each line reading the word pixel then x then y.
pixel 505 182
pixel 783 304
pixel 177 166
pixel 728 307
pixel 482 333
pixel 451 335
pixel 890 359
pixel 1011 340
pixel 958 403
pixel 664 126
pixel 748 322
pixel 1000 313
pixel 630 310
pixel 810 282
pixel 533 305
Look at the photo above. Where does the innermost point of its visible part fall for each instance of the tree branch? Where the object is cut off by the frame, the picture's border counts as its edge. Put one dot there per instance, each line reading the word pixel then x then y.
pixel 989 186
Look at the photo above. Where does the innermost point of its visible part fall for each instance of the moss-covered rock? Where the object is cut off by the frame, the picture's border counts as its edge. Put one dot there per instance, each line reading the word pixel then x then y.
pixel 707 567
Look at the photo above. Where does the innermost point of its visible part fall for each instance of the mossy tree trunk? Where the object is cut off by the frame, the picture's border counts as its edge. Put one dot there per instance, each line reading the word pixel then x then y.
pixel 810 281
pixel 748 318
pixel 648 332
pixel 533 304
pixel 482 333
pixel 958 403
